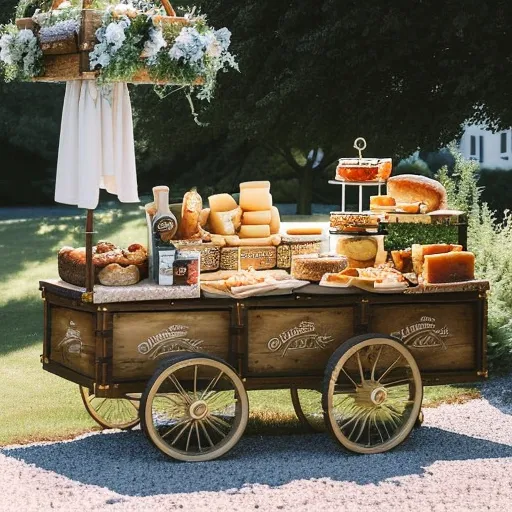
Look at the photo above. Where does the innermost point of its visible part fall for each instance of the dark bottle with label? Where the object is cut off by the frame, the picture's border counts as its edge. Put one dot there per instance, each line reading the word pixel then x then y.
pixel 164 227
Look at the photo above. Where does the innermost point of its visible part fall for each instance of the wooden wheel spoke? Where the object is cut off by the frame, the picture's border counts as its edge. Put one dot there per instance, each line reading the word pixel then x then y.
pixel 195 381
pixel 206 434
pixel 378 429
pixel 101 405
pixel 175 426
pixel 211 385
pixel 198 437
pixel 350 378
pixel 221 401
pixel 189 436
pixel 390 367
pixel 360 365
pixel 364 420
pixel 220 421
pixel 396 382
pixel 375 363
pixel 210 422
pixel 181 432
pixel 180 388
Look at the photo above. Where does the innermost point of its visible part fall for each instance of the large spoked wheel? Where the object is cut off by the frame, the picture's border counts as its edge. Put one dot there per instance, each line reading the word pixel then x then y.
pixel 307 404
pixel 194 408
pixel 372 393
pixel 120 413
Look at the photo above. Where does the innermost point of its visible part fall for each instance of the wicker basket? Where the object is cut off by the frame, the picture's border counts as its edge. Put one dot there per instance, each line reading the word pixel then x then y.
pixel 68 59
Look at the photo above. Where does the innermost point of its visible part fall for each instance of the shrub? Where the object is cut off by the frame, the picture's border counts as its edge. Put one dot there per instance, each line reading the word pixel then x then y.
pixel 491 241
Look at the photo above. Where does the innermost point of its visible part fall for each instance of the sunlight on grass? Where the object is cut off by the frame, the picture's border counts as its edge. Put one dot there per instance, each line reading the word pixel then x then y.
pixel 36 405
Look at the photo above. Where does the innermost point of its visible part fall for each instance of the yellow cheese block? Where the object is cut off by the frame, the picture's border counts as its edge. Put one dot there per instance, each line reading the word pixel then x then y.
pixel 258 231
pixel 251 218
pixel 275 220
pixel 225 223
pixel 222 203
pixel 255 184
pixel 255 199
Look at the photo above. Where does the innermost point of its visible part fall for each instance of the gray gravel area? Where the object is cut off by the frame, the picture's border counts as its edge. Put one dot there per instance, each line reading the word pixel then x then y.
pixel 460 459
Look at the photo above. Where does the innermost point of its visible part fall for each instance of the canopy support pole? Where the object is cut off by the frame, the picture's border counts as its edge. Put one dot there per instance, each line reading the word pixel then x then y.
pixel 89 269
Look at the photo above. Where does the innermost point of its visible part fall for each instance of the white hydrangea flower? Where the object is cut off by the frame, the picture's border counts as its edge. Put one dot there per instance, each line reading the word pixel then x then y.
pixel 154 44
pixel 223 36
pixel 190 45
pixel 115 35
pixel 25 36
pixel 5 50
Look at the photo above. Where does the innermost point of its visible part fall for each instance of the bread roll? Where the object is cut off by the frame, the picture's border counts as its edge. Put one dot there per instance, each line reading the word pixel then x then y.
pixel 116 275
pixel 409 188
pixel 189 226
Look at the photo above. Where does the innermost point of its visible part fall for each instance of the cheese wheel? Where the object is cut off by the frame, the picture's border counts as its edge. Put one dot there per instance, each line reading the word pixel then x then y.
pixel 304 230
pixel 382 201
pixel 255 184
pixel 256 231
pixel 251 218
pixel 222 203
pixel 225 223
pixel 255 199
pixel 275 220
pixel 450 267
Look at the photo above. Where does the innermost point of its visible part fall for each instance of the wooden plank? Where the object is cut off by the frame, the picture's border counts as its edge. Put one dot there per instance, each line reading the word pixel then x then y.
pixel 295 340
pixel 142 340
pixel 72 339
pixel 440 336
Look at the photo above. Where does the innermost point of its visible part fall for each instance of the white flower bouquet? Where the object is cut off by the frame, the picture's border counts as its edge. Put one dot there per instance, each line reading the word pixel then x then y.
pixel 125 42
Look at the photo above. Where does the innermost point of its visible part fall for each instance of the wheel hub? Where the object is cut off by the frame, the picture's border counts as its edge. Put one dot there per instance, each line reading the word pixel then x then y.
pixel 378 395
pixel 198 410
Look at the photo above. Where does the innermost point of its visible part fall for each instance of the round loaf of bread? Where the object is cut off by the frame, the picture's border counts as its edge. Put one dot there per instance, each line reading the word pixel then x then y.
pixel 409 188
pixel 116 275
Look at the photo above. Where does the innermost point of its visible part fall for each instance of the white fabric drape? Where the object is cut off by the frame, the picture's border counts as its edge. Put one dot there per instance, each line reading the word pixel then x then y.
pixel 96 148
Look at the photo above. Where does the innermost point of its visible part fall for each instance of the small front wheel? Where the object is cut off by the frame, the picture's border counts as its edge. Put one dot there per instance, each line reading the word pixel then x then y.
pixel 372 393
pixel 194 408
pixel 120 413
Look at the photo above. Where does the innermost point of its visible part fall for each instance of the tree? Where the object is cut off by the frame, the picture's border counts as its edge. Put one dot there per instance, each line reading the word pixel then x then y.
pixel 316 75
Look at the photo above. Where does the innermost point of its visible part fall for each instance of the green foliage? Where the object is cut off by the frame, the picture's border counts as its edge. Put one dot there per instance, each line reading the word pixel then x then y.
pixel 491 241
pixel 401 236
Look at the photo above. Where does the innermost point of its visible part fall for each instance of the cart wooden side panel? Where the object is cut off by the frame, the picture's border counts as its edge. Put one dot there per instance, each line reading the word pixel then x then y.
pixel 296 340
pixel 72 339
pixel 141 340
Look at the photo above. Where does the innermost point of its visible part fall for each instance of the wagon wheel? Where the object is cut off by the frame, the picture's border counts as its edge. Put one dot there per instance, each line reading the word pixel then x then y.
pixel 372 393
pixel 307 404
pixel 194 408
pixel 120 413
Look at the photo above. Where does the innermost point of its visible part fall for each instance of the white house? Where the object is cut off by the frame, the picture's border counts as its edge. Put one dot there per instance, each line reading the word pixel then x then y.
pixel 491 150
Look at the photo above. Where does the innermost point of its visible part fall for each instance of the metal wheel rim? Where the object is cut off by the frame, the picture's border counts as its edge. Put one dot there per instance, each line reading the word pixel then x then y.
pixel 122 413
pixel 194 427
pixel 400 433
pixel 313 421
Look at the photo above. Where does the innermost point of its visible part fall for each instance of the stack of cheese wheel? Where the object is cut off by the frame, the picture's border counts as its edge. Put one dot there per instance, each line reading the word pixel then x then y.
pixel 225 214
pixel 260 219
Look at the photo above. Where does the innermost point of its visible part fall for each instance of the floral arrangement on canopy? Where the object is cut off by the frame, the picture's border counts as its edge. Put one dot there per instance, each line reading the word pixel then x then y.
pixel 130 40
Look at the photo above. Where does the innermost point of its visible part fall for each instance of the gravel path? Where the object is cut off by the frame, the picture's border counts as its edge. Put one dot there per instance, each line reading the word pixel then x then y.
pixel 460 459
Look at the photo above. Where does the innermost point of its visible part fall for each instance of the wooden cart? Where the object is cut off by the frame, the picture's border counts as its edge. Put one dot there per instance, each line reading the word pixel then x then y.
pixel 184 367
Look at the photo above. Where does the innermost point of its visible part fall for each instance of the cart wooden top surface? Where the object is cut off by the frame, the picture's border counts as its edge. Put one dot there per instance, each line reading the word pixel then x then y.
pixel 146 291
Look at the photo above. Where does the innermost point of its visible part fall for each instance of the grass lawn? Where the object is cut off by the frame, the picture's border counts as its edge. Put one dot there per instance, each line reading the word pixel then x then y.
pixel 36 405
